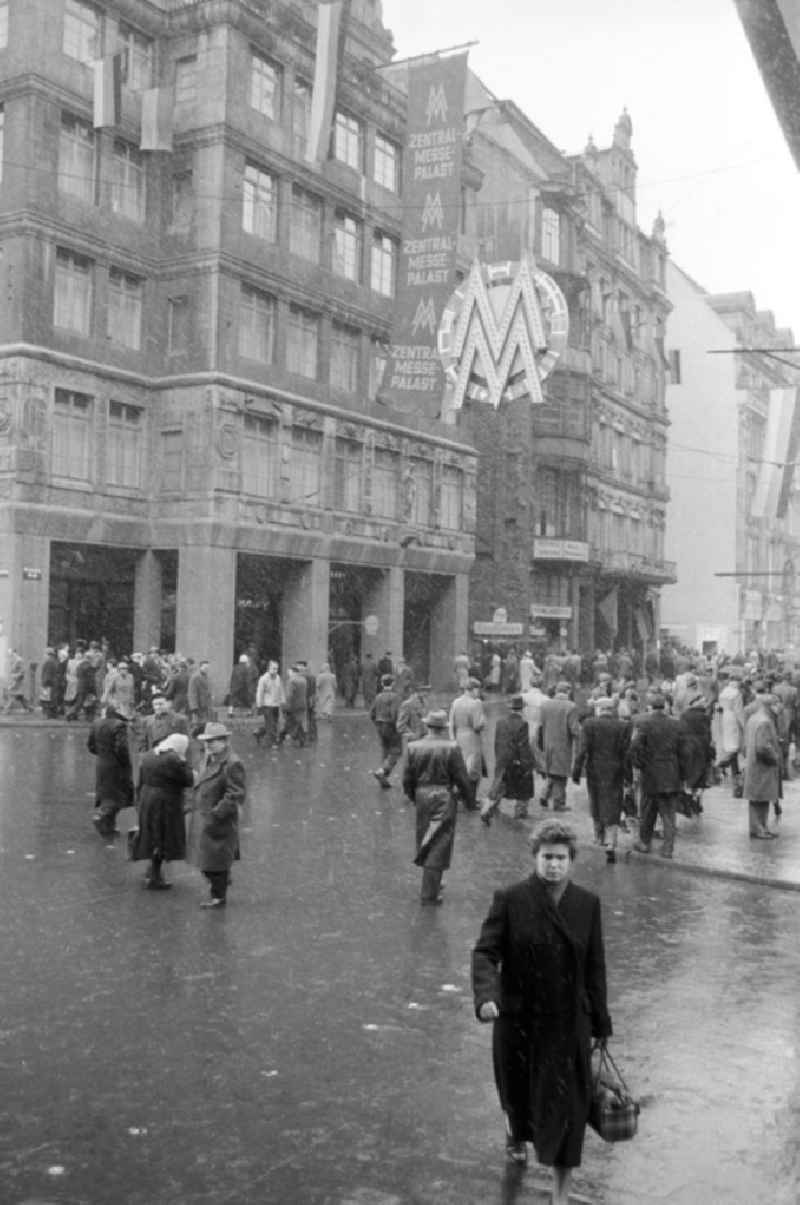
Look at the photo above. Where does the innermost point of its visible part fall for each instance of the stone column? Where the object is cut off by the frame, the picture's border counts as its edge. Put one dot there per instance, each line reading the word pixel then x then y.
pixel 385 600
pixel 24 598
pixel 206 610
pixel 306 606
pixel 449 631
pixel 147 601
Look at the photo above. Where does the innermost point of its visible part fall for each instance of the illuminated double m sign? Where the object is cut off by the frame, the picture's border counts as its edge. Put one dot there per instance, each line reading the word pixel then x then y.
pixel 501 333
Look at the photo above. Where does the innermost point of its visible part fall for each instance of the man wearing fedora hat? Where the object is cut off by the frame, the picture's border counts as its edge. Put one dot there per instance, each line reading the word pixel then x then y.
pixel 384 715
pixel 214 825
pixel 513 764
pixel 434 774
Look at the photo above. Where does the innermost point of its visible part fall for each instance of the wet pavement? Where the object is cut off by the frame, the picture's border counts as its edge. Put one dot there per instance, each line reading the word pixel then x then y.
pixel 315 1043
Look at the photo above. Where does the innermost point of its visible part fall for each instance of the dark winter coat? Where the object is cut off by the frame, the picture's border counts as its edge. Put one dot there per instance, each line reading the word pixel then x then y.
pixel 559 731
pixel 177 689
pixel 113 776
pixel 158 727
pixel 657 748
pixel 513 757
pixel 543 965
pixel 605 754
pixel 433 776
pixel 214 825
pixel 697 746
pixel 199 699
pixel 240 695
pixel 163 778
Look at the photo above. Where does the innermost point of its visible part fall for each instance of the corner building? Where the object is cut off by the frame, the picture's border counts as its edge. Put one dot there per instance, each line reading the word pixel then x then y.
pixel 191 450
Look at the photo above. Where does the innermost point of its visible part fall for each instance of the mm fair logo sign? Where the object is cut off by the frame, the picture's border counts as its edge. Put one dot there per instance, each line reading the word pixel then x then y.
pixel 501 334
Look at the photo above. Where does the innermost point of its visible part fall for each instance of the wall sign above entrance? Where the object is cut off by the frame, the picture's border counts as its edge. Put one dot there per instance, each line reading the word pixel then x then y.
pixel 501 333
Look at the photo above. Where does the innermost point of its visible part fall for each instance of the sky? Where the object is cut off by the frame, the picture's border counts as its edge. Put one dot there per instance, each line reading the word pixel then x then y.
pixel 710 151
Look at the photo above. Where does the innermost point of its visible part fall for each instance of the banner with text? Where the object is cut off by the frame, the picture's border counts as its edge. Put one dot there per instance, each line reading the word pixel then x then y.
pixel 426 265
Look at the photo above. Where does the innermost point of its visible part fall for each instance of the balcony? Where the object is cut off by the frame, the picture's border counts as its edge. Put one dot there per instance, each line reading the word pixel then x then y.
pixel 634 564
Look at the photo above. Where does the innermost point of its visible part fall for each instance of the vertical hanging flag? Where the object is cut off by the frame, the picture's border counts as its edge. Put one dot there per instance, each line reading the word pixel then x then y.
pixel 780 448
pixel 426 263
pixel 792 450
pixel 323 95
pixel 108 91
pixel 157 107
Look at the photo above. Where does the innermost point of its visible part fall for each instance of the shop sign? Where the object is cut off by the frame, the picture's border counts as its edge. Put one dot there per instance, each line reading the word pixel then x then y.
pixel 560 550
pixel 534 631
pixel 31 575
pixel 490 628
pixel 541 612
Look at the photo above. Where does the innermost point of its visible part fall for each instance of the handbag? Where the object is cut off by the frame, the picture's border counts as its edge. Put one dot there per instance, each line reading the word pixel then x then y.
pixel 613 1113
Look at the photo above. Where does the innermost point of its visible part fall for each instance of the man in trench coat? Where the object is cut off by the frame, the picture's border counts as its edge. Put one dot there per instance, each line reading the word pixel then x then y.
pixel 605 752
pixel 559 732
pixel 214 825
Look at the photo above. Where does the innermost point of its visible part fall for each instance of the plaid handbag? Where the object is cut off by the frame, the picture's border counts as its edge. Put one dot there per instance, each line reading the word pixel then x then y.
pixel 613 1113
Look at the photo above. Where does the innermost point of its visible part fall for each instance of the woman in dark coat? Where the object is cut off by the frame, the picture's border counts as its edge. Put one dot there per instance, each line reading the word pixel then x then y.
pixel 219 792
pixel 433 777
pixel 113 779
pixel 698 748
pixel 161 836
pixel 538 972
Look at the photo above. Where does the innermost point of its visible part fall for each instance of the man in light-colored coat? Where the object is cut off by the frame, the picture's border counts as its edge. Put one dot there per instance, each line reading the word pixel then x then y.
pixel 467 722
pixel 762 776
pixel 560 730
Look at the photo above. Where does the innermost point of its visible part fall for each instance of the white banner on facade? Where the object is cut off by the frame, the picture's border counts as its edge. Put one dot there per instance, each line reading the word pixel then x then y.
pixel 775 454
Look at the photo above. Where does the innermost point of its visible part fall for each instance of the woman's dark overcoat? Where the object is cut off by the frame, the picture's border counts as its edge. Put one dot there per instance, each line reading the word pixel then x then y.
pixel 543 965
pixel 513 758
pixel 214 824
pixel 605 753
pixel 697 745
pixel 434 775
pixel 163 777
pixel 113 776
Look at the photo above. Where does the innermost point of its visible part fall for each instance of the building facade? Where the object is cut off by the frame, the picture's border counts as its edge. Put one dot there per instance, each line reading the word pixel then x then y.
pixel 192 453
pixel 571 494
pixel 736 585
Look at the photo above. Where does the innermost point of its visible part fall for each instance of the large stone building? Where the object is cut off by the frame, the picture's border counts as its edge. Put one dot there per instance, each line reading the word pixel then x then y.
pixel 191 453
pixel 736 565
pixel 571 494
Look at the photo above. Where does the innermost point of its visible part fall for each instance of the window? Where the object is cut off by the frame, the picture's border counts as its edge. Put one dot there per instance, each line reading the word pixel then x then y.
pixel 451 497
pixel 182 199
pixel 259 203
pixel 138 58
pixel 70 452
pixel 3 24
pixel 383 264
pixel 306 470
pixel 124 445
pixel 265 87
pixel 76 157
pixel 128 181
pixel 256 325
pixel 347 247
pixel 387 158
pixel 171 461
pixel 260 456
pixel 301 117
pixel 385 480
pixel 178 324
pixel 124 309
pixel 302 342
pixel 348 141
pixel 378 359
pixel 347 475
pixel 81 39
pixel 73 292
pixel 345 347
pixel 186 81
pixel 551 236
pixel 422 509
pixel 305 231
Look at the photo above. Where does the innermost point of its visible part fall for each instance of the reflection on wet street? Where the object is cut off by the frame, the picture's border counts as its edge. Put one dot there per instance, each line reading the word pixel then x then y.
pixel 316 1042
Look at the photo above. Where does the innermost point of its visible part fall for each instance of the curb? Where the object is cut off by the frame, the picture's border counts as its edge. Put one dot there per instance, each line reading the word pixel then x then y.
pixel 715 872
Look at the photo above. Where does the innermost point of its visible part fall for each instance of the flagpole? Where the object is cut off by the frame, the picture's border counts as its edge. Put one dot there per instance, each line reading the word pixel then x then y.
pixel 429 54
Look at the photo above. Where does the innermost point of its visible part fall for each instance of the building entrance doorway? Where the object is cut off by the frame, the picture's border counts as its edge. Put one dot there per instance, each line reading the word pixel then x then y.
pixel 424 593
pixel 261 583
pixel 92 595
pixel 351 587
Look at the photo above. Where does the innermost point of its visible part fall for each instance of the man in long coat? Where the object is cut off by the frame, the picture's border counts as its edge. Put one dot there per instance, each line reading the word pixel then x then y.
pixel 199 696
pixel 513 764
pixel 467 722
pixel 559 733
pixel 162 723
pixel 113 776
pixel 657 748
pixel 545 1008
pixel 433 776
pixel 214 825
pixel 695 725
pixel 762 775
pixel 605 753
pixel 384 714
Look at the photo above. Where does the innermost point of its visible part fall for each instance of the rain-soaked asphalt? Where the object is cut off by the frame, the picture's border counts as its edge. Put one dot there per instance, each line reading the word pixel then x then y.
pixel 315 1043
